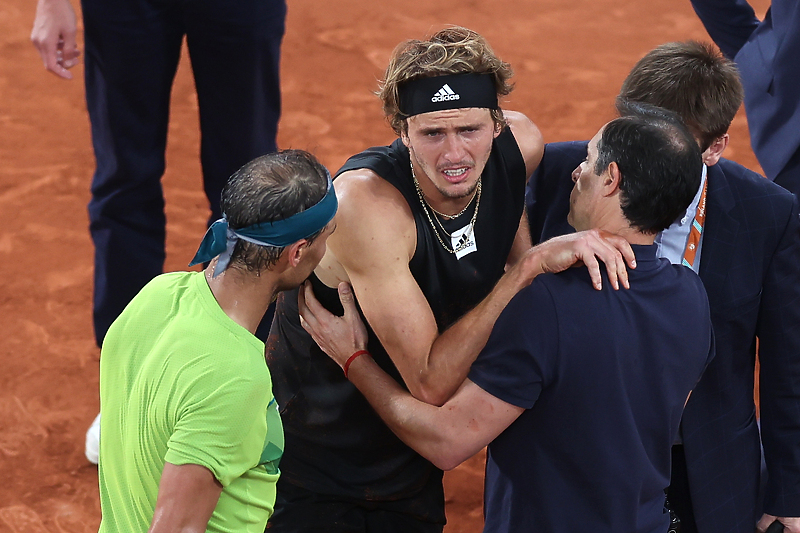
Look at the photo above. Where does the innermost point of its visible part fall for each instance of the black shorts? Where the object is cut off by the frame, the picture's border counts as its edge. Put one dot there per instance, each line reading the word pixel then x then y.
pixel 298 510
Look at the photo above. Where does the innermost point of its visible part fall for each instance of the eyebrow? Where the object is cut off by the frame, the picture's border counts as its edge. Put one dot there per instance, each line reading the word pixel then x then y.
pixel 437 129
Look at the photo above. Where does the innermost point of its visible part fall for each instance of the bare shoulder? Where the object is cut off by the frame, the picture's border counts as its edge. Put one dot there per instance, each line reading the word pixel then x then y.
pixel 529 138
pixel 374 223
pixel 363 196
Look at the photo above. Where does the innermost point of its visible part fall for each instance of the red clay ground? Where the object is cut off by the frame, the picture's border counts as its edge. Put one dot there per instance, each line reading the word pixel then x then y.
pixel 569 56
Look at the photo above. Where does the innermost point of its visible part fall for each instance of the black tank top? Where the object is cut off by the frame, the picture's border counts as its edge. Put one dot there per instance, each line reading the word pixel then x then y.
pixel 335 443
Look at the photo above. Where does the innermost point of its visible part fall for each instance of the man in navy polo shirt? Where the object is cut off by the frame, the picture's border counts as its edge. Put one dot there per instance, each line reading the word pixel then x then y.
pixel 578 392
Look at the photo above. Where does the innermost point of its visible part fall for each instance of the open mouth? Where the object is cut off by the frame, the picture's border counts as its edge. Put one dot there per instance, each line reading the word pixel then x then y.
pixel 455 175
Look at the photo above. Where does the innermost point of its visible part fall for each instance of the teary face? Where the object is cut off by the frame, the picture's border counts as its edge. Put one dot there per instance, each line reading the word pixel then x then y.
pixel 449 150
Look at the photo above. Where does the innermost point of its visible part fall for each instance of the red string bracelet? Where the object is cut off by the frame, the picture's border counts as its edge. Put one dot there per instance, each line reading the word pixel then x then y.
pixel 350 360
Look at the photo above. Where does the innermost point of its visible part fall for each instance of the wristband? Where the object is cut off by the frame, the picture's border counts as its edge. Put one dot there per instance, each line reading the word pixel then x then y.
pixel 350 360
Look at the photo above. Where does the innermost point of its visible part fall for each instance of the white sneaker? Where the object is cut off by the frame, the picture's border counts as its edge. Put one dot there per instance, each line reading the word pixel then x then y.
pixel 93 441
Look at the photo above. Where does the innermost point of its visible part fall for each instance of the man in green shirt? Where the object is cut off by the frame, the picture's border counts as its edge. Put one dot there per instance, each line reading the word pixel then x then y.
pixel 191 431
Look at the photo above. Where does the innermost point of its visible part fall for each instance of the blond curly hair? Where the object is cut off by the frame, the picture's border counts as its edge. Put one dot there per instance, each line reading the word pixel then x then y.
pixel 452 50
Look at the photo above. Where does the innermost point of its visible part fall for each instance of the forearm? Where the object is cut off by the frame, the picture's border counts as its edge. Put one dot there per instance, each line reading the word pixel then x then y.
pixel 454 351
pixel 420 425
pixel 445 435
pixel 433 366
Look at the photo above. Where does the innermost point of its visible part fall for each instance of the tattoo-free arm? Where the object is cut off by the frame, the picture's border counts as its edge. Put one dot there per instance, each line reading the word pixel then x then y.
pixel 446 435
pixel 374 242
pixel 187 496
pixel 528 137
pixel 522 241
pixel 444 363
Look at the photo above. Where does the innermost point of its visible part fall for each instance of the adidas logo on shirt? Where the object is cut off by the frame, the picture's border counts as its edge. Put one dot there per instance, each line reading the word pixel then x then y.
pixel 445 93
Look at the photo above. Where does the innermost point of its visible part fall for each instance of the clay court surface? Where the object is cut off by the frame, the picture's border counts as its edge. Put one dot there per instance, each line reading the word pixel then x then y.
pixel 570 57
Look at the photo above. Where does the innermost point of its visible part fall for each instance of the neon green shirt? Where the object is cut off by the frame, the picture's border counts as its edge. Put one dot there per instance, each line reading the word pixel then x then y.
pixel 181 382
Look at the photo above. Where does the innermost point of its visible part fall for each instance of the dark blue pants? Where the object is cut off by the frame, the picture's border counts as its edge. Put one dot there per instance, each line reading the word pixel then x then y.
pixel 678 495
pixel 132 53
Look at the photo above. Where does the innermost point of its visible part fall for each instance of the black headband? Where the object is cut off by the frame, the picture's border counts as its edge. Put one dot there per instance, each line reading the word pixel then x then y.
pixel 452 91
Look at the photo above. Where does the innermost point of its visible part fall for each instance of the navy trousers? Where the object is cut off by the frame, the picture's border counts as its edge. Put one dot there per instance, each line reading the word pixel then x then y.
pixel 132 53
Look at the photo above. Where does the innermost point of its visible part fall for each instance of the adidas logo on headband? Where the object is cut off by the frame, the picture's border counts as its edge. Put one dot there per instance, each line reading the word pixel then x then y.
pixel 435 93
pixel 445 93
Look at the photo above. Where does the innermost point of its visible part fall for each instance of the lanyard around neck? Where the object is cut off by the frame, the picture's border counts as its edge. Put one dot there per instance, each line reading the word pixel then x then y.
pixel 696 231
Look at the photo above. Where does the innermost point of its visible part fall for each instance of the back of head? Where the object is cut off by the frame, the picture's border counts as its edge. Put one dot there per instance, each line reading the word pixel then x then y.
pixel 659 162
pixel 453 50
pixel 270 188
pixel 692 79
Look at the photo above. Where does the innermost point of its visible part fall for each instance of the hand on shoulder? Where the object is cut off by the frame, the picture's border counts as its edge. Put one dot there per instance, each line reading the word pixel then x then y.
pixel 587 248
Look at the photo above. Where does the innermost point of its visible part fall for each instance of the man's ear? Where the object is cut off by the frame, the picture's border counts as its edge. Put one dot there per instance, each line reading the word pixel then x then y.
pixel 294 252
pixel 612 179
pixel 714 152
pixel 404 136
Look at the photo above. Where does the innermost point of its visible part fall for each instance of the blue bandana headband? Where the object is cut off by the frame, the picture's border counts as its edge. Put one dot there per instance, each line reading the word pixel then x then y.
pixel 220 239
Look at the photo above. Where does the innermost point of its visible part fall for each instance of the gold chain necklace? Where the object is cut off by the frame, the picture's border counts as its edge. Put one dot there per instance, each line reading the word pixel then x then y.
pixel 425 206
pixel 444 215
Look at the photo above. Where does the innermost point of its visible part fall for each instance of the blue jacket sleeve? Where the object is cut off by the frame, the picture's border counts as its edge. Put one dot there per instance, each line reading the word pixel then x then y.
pixel 778 331
pixel 729 22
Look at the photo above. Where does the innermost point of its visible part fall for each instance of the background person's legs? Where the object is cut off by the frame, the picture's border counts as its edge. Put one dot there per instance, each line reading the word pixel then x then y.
pixel 235 52
pixel 132 53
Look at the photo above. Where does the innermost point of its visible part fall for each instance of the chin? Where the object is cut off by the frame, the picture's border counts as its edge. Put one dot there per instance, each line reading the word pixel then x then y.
pixel 573 224
pixel 459 190
pixel 289 285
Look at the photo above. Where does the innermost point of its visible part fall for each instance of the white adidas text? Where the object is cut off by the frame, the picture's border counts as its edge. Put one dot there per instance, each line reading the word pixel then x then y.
pixel 445 97
pixel 445 93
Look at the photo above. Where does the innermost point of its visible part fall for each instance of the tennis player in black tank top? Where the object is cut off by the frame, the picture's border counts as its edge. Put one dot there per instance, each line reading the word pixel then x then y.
pixel 425 230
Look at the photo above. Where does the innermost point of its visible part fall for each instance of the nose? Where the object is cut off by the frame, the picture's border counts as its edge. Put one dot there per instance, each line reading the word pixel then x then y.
pixel 576 173
pixel 454 149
